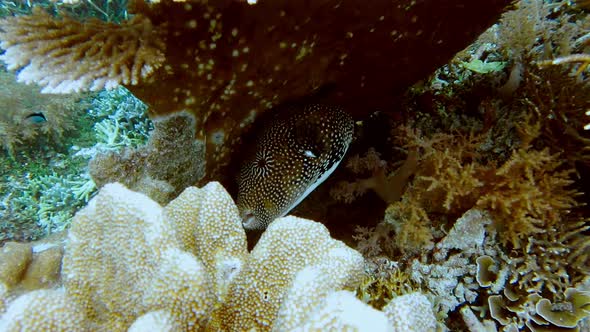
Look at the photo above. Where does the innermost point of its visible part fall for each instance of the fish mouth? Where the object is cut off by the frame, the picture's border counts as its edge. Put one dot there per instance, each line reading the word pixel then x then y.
pixel 250 222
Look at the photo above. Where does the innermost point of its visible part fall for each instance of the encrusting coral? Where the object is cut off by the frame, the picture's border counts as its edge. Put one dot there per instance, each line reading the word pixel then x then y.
pixel 220 60
pixel 130 263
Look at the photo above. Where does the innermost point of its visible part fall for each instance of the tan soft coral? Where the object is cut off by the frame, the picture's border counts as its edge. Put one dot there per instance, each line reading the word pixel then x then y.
pixel 529 193
pixel 130 263
pixel 121 253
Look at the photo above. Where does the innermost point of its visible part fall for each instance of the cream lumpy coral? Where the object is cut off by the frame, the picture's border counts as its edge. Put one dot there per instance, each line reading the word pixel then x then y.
pixel 130 263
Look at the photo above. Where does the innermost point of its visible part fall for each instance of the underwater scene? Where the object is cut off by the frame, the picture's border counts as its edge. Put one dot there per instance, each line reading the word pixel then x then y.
pixel 291 165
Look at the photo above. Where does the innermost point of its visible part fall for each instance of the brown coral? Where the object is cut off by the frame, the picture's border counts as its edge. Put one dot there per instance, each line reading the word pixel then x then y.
pixel 228 61
pixel 527 194
pixel 29 266
pixel 20 102
pixel 170 161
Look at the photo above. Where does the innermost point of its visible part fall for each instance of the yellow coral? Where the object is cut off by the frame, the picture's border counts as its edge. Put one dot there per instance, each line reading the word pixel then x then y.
pixel 341 311
pixel 411 224
pixel 3 297
pixel 14 260
pixel 44 270
pixel 528 194
pixel 207 224
pixel 377 289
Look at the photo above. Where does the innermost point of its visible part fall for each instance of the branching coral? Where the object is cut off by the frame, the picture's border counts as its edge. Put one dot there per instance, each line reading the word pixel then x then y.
pixel 121 120
pixel 529 193
pixel 45 181
pixel 515 290
pixel 382 281
pixel 38 200
pixel 448 272
pixel 509 143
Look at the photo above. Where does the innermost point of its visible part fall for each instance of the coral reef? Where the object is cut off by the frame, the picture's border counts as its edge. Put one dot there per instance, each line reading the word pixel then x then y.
pixel 22 104
pixel 121 120
pixel 493 219
pixel 382 281
pixel 45 183
pixel 15 259
pixel 36 130
pixel 219 60
pixel 469 200
pixel 170 161
pixel 129 262
pixel 510 290
pixel 411 312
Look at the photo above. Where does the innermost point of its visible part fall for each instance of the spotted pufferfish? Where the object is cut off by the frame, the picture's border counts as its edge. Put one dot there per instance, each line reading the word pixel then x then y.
pixel 293 155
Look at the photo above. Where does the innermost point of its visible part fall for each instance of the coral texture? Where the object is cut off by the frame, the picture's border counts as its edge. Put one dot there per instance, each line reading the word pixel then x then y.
pixel 317 265
pixel 130 263
pixel 133 53
pixel 22 104
pixel 411 312
pixel 14 260
pixel 31 266
pixel 3 297
pixel 29 312
pixel 228 61
pixel 170 161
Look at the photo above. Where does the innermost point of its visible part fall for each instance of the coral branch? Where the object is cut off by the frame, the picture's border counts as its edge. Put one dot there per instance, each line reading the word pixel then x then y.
pixel 67 55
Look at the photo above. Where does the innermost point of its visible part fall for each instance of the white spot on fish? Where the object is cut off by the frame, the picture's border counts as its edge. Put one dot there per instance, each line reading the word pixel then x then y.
pixel 309 153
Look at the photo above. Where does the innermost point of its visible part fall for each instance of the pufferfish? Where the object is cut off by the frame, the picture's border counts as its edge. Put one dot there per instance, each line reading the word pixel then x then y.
pixel 293 155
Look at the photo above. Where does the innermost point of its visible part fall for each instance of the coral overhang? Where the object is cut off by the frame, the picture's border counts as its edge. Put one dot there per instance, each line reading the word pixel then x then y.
pixel 228 61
